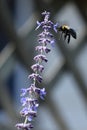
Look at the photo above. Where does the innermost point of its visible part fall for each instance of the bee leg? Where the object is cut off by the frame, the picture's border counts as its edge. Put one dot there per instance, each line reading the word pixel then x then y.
pixel 68 38
pixel 65 36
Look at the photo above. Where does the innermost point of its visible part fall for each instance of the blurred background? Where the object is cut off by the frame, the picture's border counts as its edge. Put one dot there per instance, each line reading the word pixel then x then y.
pixel 65 75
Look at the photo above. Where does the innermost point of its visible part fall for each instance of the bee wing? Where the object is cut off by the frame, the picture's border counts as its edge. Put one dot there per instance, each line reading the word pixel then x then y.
pixel 73 33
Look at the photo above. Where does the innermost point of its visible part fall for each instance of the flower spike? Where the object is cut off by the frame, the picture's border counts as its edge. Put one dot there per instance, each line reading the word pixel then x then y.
pixel 29 96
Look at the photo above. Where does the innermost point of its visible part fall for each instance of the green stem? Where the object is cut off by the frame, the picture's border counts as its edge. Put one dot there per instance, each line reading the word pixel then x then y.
pixel 25 120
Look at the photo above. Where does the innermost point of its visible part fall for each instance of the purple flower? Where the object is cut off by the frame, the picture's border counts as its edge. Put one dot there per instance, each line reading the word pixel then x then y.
pixel 40 92
pixel 46 13
pixel 24 91
pixel 40 58
pixel 34 106
pixel 45 34
pixel 38 67
pixel 42 48
pixel 35 77
pixel 24 111
pixel 24 126
pixel 27 112
pixel 47 49
pixel 46 37
pixel 27 101
pixel 45 41
pixel 47 24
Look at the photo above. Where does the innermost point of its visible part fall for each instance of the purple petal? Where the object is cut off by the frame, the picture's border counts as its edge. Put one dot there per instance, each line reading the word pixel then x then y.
pixel 24 111
pixel 39 78
pixel 39 24
pixel 41 92
pixel 31 115
pixel 23 126
pixel 47 50
pixel 55 27
pixel 52 42
pixel 23 101
pixel 30 118
pixel 23 91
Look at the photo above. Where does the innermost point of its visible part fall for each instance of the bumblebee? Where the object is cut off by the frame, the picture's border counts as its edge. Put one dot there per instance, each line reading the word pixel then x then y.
pixel 68 32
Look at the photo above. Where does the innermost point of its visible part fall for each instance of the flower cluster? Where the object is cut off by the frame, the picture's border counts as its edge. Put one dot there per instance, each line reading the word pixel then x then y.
pixel 30 95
